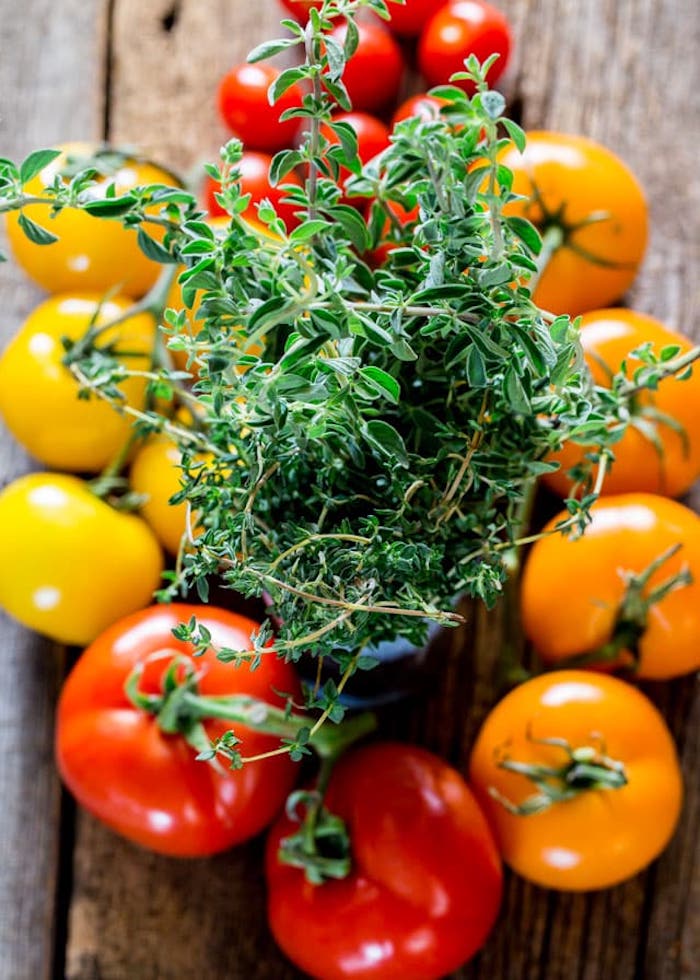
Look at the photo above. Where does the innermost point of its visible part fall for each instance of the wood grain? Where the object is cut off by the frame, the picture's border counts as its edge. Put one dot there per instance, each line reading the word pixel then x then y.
pixel 617 70
pixel 42 100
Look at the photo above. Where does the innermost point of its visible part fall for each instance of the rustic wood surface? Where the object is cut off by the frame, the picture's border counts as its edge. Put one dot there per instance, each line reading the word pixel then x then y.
pixel 78 902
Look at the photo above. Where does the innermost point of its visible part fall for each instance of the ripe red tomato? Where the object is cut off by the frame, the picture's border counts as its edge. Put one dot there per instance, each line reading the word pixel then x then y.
pixel 255 169
pixel 410 19
pixel 373 74
pixel 425 883
pixel 300 8
pixel 573 589
pixel 146 783
pixel 615 761
pixel 575 185
pixel 372 138
pixel 244 107
pixel 462 28
pixel 653 456
pixel 424 106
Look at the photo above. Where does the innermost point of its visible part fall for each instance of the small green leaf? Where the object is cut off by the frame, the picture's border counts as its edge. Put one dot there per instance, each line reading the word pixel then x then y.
pixel 34 232
pixel 35 163
pixel 154 250
pixel 384 437
pixel 309 229
pixel 283 83
pixel 526 232
pixel 382 381
pixel 268 49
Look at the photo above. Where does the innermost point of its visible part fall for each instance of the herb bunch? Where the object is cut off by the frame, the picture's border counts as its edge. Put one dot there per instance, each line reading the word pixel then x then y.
pixel 363 441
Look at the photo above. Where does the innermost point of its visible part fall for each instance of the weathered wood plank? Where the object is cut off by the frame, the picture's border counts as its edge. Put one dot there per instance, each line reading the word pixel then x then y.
pixel 42 99
pixel 609 69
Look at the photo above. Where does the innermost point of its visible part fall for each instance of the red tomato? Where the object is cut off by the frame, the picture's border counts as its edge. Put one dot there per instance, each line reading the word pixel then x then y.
pixel 244 107
pixel 410 19
pixel 425 883
pixel 424 106
pixel 145 783
pixel 372 138
pixel 300 8
pixel 373 75
pixel 653 455
pixel 462 28
pixel 255 168
pixel 380 254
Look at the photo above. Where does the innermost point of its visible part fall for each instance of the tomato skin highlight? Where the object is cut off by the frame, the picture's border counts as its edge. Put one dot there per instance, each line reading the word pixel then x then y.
pixel 603 836
pixel 39 396
pixel 91 254
pixel 378 57
pixel 572 589
pixel 244 107
pixel 77 564
pixel 148 785
pixel 425 884
pixel 459 29
pixel 608 337
pixel 585 179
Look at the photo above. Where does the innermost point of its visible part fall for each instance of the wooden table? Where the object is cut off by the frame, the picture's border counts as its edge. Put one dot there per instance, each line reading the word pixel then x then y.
pixel 75 900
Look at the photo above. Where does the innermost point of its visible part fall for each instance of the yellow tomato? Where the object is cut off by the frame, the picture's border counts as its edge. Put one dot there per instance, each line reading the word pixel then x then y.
pixel 39 395
pixel 72 564
pixel 156 474
pixel 91 253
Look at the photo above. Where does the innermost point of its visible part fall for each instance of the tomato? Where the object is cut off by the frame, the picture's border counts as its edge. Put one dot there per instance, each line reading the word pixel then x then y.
pixel 146 783
pixel 155 474
pixel 255 168
pixel 660 452
pixel 410 19
pixel 300 8
pixel 373 74
pixel 372 138
pixel 573 589
pixel 76 564
pixel 425 883
pixel 39 396
pixel 577 190
pixel 458 30
pixel 381 253
pixel 617 772
pixel 91 254
pixel 424 106
pixel 244 107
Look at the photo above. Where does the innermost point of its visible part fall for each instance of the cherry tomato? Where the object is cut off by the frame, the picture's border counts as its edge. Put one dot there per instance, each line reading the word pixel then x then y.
pixel 300 8
pixel 660 452
pixel 410 19
pixel 379 255
pixel 91 254
pixel 425 883
pixel 372 138
pixel 573 590
pixel 578 191
pixel 146 783
pixel 77 564
pixel 616 798
pixel 155 474
pixel 459 29
pixel 244 107
pixel 424 106
pixel 39 396
pixel 373 74
pixel 255 169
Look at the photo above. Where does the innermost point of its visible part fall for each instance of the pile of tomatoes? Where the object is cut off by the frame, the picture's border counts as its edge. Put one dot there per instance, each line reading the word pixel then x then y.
pixel 571 749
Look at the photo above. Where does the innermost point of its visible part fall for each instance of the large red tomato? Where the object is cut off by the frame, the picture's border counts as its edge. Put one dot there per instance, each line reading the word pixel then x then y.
pixel 581 193
pixel 409 19
pixel 660 451
pixel 373 74
pixel 246 110
pixel 458 30
pixel 255 180
pixel 425 883
pixel 146 783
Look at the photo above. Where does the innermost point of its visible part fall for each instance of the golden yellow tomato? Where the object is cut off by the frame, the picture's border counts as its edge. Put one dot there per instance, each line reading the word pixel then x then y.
pixel 39 395
pixel 72 564
pixel 156 474
pixel 91 253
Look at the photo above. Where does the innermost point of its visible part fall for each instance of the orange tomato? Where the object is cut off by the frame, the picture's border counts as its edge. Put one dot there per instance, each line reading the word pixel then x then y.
pixel 618 780
pixel 668 466
pixel 39 396
pixel 573 589
pixel 575 185
pixel 91 254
